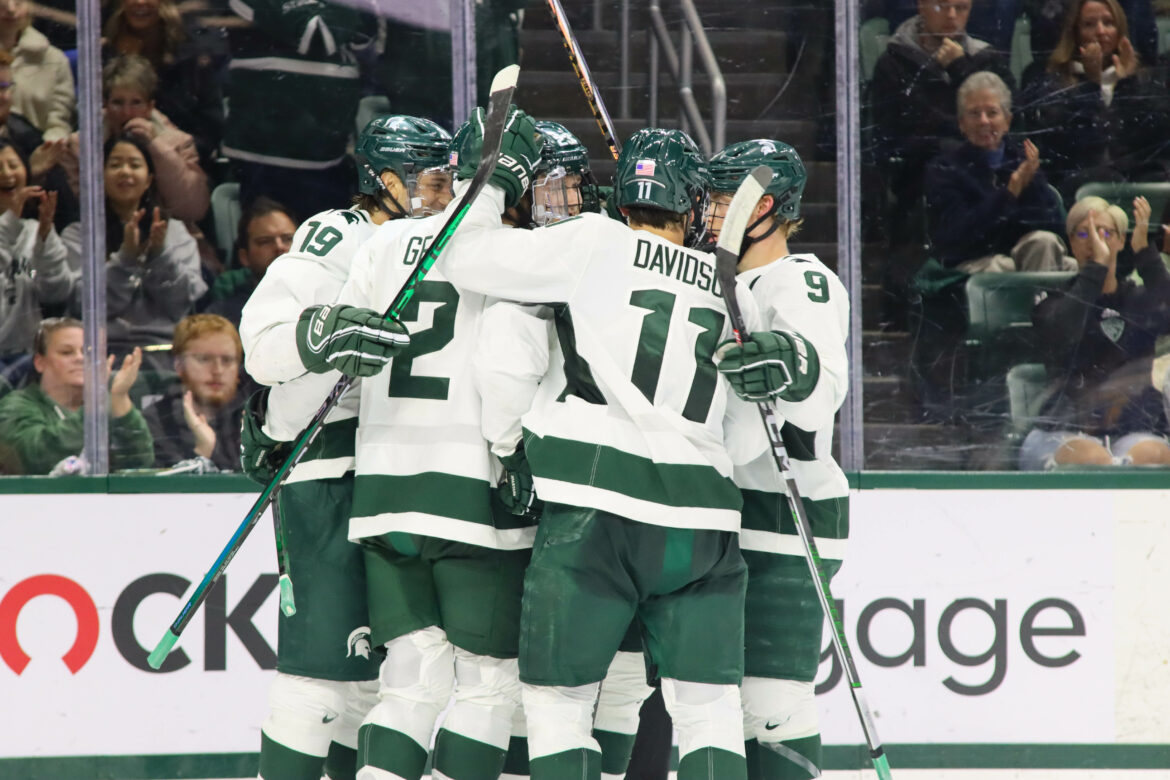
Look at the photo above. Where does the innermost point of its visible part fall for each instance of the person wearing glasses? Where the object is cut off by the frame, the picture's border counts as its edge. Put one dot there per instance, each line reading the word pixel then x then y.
pixel 1103 405
pixel 201 415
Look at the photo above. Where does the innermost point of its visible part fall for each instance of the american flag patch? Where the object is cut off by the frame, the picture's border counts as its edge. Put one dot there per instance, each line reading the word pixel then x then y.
pixel 453 159
pixel 644 168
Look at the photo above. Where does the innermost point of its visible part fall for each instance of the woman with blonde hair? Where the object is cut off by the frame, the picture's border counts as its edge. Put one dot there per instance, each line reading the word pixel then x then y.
pixel 1094 107
pixel 1103 404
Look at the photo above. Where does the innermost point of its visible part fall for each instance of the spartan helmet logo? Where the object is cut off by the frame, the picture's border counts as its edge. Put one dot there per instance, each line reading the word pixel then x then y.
pixel 358 643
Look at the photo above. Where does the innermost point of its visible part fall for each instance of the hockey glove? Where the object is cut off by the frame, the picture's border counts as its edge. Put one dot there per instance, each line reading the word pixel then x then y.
pixel 519 153
pixel 356 342
pixel 515 490
pixel 770 364
pixel 261 456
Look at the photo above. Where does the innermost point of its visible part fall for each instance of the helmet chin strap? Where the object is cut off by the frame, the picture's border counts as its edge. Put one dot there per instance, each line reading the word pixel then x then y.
pixel 748 239
pixel 401 213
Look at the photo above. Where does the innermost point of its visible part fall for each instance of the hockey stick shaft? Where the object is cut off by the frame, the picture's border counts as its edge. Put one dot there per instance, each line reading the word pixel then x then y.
pixel 503 87
pixel 592 94
pixel 727 258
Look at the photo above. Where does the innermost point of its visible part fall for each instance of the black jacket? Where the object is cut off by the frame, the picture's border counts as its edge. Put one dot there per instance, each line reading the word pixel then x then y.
pixel 1078 134
pixel 1099 350
pixel 970 210
pixel 913 97
pixel 173 440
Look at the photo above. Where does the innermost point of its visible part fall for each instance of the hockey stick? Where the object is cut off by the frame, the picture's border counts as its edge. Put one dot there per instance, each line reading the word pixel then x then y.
pixel 577 60
pixel 726 259
pixel 503 86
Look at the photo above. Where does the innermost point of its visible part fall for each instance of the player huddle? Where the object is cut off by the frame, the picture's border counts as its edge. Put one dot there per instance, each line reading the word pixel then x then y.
pixel 553 486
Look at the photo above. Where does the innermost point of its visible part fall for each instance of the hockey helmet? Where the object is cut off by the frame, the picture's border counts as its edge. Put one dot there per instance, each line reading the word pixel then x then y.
pixel 563 150
pixel 732 165
pixel 663 169
pixel 406 145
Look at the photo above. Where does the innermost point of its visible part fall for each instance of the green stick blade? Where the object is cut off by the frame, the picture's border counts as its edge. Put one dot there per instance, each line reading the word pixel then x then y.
pixel 883 767
pixel 287 604
pixel 162 650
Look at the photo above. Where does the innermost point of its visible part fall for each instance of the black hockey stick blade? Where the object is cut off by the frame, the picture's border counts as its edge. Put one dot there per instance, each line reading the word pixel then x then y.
pixel 503 86
pixel 727 248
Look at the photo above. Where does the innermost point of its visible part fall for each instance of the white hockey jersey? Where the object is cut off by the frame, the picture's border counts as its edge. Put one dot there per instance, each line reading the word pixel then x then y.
pixel 638 430
pixel 311 273
pixel 423 466
pixel 799 293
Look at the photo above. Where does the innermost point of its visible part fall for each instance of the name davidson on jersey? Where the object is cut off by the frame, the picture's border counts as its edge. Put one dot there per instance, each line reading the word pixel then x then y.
pixel 678 263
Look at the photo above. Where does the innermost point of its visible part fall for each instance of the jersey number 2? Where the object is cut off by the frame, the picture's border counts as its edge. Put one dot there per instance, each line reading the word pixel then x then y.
pixel 403 383
pixel 652 348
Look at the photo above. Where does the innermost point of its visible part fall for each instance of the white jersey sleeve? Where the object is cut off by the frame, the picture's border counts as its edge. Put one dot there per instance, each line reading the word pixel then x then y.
pixel 311 273
pixel 800 294
pixel 511 358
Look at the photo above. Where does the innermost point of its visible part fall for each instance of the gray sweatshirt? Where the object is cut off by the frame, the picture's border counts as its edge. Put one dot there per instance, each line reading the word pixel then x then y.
pixel 32 272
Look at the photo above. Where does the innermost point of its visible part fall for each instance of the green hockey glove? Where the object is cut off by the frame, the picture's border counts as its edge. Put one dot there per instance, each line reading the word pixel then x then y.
pixel 515 490
pixel 770 364
pixel 356 342
pixel 260 455
pixel 519 152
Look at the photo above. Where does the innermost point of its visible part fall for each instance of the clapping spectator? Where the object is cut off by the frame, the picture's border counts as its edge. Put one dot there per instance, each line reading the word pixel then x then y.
pixel 41 425
pixel 33 266
pixel 152 272
pixel 915 84
pixel 989 205
pixel 44 91
pixel 190 62
pixel 1097 112
pixel 201 416
pixel 265 233
pixel 1104 406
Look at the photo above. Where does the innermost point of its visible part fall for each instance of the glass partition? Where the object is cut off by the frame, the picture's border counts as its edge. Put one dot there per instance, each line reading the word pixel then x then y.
pixel 1014 177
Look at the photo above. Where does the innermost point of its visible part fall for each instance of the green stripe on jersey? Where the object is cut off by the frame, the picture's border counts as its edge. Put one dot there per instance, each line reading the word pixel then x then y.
pixel 764 511
pixel 336 440
pixel 431 493
pixel 608 468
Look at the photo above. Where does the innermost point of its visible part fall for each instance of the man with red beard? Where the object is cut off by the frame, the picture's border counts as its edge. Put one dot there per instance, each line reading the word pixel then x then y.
pixel 201 415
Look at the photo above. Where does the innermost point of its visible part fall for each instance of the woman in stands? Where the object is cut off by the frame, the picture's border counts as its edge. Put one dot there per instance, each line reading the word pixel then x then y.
pixel 33 267
pixel 152 271
pixel 44 83
pixel 190 62
pixel 1103 406
pixel 1096 110
pixel 41 425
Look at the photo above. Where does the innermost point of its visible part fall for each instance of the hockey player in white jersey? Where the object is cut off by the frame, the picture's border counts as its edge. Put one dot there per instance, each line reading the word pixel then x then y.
pixel 326 676
pixel 445 564
pixel 641 514
pixel 805 321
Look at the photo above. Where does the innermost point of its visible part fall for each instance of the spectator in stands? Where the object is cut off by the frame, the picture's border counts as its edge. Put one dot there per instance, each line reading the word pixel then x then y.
pixel 1103 405
pixel 44 91
pixel 41 425
pixel 265 233
pixel 201 416
pixel 129 85
pixel 293 89
pixel 989 205
pixel 1046 19
pixel 44 157
pixel 993 21
pixel 1098 113
pixel 33 266
pixel 915 84
pixel 152 271
pixel 190 61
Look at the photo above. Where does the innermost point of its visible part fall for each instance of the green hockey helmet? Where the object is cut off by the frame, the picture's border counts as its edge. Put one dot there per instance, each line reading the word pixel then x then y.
pixel 564 150
pixel 732 165
pixel 406 145
pixel 663 169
